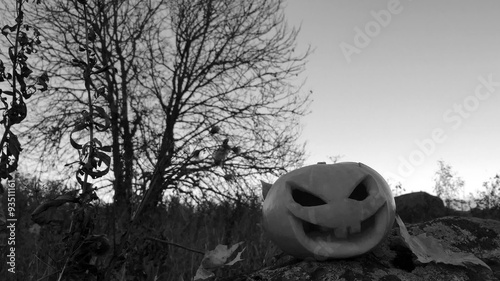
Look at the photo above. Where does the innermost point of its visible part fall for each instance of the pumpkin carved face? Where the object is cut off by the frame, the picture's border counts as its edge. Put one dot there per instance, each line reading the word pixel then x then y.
pixel 329 211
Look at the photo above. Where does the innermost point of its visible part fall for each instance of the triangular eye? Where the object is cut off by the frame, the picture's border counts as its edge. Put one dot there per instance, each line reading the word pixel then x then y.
pixel 305 198
pixel 361 191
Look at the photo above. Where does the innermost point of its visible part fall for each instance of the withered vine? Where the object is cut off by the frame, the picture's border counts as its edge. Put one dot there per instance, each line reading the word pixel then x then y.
pixel 23 39
pixel 82 245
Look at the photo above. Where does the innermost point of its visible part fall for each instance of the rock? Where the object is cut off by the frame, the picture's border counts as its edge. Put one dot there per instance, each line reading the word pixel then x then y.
pixel 392 260
pixel 419 207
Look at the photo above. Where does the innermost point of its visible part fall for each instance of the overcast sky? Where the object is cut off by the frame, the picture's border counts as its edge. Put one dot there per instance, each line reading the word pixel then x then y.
pixel 399 85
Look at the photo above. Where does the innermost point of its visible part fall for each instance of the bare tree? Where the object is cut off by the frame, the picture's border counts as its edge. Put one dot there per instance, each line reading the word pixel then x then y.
pixel 335 158
pixel 447 183
pixel 490 197
pixel 201 94
pixel 120 30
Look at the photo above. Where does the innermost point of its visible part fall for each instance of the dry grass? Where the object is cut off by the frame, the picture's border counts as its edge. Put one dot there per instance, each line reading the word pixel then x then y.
pixel 40 257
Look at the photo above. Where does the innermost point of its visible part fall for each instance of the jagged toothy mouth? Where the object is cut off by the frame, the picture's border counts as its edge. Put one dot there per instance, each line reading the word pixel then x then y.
pixel 318 232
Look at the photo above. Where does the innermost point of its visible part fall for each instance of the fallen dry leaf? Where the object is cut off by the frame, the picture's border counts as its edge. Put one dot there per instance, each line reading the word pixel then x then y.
pixel 217 258
pixel 428 249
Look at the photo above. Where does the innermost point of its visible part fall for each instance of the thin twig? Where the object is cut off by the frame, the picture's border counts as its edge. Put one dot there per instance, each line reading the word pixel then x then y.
pixel 175 244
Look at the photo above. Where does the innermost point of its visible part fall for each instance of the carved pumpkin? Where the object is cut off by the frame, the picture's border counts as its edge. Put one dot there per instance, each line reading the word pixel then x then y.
pixel 329 211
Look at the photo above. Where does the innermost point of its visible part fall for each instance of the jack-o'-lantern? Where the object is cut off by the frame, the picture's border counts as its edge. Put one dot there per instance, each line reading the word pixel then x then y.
pixel 329 211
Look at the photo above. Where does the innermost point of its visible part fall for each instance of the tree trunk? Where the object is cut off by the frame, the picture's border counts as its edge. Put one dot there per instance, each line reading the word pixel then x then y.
pixel 154 193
